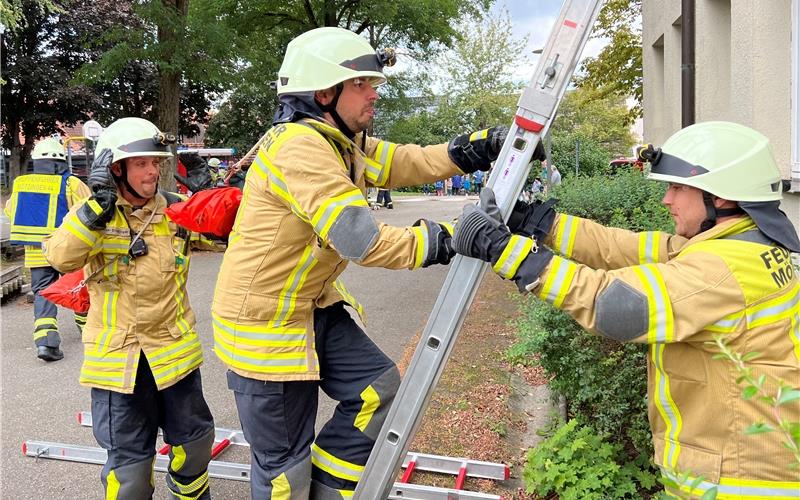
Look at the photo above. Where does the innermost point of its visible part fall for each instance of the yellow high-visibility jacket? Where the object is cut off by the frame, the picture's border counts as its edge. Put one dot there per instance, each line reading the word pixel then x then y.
pixel 675 294
pixel 73 191
pixel 303 216
pixel 137 305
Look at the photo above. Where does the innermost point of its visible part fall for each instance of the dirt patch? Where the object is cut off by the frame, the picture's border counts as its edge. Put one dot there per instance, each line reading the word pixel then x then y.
pixel 483 408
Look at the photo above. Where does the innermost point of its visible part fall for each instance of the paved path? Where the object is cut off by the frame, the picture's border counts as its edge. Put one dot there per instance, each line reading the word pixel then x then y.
pixel 40 401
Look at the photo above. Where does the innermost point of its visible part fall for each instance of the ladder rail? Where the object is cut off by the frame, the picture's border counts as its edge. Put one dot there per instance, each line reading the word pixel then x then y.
pixel 536 109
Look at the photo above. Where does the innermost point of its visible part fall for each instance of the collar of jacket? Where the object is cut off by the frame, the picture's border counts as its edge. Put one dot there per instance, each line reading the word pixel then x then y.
pixel 157 203
pixel 726 229
pixel 331 132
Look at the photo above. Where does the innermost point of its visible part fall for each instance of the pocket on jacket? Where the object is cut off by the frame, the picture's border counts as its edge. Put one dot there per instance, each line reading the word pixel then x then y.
pixel 691 459
pixel 114 338
pixel 259 306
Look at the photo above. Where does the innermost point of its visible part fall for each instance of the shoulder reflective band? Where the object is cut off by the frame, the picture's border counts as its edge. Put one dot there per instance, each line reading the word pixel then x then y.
pixel 666 164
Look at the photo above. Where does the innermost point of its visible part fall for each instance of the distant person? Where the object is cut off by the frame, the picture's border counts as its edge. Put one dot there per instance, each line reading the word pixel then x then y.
pixel 537 186
pixel 385 198
pixel 36 208
pixel 477 181
pixel 555 176
pixel 467 183
pixel 439 187
pixel 456 179
pixel 448 186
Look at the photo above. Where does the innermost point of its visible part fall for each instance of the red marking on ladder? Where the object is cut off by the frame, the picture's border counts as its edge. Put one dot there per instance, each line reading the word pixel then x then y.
pixel 24 448
pixel 462 476
pixel 220 447
pixel 508 472
pixel 164 450
pixel 409 471
pixel 570 24
pixel 80 418
pixel 528 124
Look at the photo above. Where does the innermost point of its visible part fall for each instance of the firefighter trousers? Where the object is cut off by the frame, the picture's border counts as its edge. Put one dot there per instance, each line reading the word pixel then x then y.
pixel 277 418
pixel 126 425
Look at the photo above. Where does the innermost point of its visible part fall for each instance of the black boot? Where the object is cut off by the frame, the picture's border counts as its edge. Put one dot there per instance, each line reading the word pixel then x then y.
pixel 48 353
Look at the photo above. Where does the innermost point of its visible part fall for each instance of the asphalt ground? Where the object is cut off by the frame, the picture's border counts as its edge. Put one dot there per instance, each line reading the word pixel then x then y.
pixel 40 401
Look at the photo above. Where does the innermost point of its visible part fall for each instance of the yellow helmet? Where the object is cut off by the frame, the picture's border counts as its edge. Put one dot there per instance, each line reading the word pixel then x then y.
pixel 323 57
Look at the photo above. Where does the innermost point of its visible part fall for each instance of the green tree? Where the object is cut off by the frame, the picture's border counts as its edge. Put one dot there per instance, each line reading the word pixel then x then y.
pixel 474 88
pixel 37 59
pixel 617 70
pixel 260 32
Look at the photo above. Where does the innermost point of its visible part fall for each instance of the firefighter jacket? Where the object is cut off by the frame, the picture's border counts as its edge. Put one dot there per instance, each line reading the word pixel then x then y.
pixel 37 205
pixel 136 304
pixel 303 217
pixel 675 295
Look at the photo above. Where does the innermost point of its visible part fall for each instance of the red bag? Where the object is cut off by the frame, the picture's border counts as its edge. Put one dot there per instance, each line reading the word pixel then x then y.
pixel 209 211
pixel 68 291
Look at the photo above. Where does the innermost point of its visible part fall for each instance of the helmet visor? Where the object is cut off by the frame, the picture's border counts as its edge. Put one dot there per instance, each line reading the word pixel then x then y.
pixel 669 165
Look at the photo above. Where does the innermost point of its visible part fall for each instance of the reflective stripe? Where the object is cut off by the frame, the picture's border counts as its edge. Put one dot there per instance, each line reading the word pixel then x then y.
pixel 727 324
pixel 38 206
pixel 277 184
pixel 565 234
pixel 513 254
pixel 734 488
pixel 786 306
pixel 421 246
pixel 380 165
pixel 266 337
pixel 34 257
pixel 180 297
pixel 112 486
pixel 177 461
pixel 336 467
pixel 350 299
pixel 649 247
pixel 294 283
pixel 331 208
pixel 45 322
pixel 660 333
pixel 558 281
pixel 371 402
pixel 480 134
pixel 76 228
pixel 109 320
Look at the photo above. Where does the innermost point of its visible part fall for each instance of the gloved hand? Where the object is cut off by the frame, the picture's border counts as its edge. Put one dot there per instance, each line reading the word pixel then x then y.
pixel 533 219
pixel 98 210
pixel 482 235
pixel 197 177
pixel 100 177
pixel 440 246
pixel 477 151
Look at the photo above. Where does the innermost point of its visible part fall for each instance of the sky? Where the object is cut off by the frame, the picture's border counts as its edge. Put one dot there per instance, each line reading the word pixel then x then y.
pixel 535 18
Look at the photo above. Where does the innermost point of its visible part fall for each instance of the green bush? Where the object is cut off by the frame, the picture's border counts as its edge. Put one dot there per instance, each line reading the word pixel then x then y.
pixel 576 463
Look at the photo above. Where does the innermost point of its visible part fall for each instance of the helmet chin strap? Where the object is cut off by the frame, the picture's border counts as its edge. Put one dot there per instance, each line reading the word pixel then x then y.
pixel 713 213
pixel 331 108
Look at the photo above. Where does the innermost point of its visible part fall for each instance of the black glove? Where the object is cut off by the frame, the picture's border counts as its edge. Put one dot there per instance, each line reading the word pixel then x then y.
pixel 98 210
pixel 481 235
pixel 440 243
pixel 197 177
pixel 100 176
pixel 533 219
pixel 477 151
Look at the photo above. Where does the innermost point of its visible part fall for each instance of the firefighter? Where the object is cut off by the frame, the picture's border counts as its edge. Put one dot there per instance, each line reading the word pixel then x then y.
pixel 726 272
pixel 141 351
pixel 278 313
pixel 37 205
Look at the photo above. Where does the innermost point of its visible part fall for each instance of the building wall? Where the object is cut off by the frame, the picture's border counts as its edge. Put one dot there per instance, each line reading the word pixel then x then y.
pixel 743 71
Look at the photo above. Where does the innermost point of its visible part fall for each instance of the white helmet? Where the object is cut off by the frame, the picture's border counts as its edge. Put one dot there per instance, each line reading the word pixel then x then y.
pixel 323 57
pixel 49 149
pixel 129 137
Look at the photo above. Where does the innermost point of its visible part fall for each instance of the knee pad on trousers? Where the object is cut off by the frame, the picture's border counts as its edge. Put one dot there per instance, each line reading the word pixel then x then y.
pixel 377 397
pixel 293 483
pixel 321 491
pixel 129 482
pixel 188 467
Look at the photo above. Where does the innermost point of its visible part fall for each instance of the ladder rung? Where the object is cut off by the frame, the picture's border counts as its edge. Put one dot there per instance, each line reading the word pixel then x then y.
pixel 450 465
pixel 403 491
